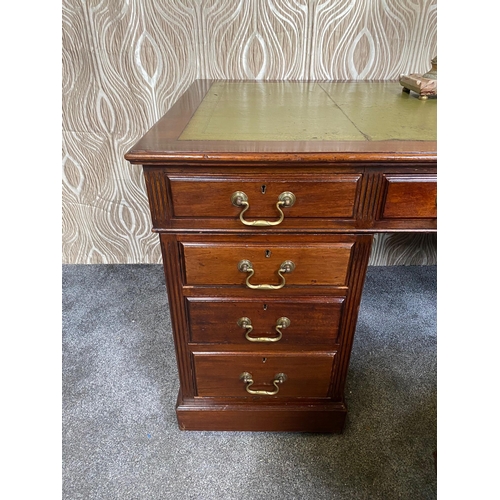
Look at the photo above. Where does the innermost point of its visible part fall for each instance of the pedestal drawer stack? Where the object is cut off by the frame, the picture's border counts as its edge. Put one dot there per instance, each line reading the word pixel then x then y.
pixel 263 306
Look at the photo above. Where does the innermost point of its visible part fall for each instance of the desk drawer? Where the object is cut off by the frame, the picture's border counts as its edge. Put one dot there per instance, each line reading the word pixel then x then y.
pixel 251 262
pixel 323 196
pixel 290 321
pixel 410 197
pixel 221 374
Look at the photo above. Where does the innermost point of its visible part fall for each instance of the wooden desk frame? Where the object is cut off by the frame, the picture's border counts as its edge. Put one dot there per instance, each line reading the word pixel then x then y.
pixel 382 186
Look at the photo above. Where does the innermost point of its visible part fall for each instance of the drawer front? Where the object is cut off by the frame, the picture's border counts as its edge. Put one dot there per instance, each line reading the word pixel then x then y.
pixel 330 196
pixel 307 374
pixel 410 197
pixel 298 320
pixel 218 263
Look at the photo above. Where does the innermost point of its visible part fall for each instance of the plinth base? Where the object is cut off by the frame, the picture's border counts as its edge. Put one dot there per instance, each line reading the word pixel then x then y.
pixel 203 415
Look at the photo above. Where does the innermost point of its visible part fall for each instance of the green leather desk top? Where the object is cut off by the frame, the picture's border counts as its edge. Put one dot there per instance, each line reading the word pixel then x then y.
pixel 311 111
pixel 219 121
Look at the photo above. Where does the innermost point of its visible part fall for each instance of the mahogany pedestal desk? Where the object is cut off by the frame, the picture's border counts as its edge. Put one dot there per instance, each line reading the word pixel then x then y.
pixel 266 197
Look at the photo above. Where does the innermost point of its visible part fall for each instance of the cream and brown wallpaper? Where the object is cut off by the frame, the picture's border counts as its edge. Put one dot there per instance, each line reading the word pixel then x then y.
pixel 125 62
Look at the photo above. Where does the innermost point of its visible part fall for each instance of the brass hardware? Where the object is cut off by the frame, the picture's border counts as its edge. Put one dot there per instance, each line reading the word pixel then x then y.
pixel 281 323
pixel 287 198
pixel 245 323
pixel 245 266
pixel 279 378
pixel 240 199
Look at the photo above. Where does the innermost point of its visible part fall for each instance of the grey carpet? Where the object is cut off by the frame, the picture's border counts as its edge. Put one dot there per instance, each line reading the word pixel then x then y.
pixel 120 436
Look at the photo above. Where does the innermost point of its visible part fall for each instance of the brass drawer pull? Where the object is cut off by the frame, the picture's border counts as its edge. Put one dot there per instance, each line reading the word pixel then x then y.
pixel 240 199
pixel 281 323
pixel 245 266
pixel 279 378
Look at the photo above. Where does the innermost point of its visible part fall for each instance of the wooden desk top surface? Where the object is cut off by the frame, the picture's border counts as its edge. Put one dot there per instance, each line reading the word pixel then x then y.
pixel 292 121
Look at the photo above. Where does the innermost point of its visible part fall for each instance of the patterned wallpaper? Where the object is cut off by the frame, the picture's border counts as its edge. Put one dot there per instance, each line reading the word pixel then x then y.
pixel 126 62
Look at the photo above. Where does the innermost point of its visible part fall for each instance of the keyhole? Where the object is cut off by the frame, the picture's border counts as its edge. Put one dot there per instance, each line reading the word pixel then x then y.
pixel 268 254
pixel 264 360
pixel 263 189
pixel 265 307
